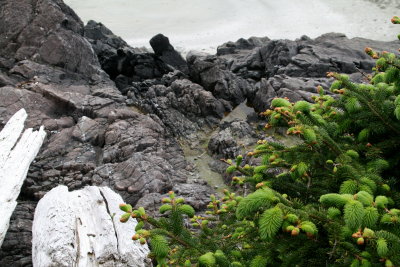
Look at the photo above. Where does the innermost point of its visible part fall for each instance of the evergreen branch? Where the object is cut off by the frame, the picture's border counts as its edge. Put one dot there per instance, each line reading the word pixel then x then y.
pixel 173 236
pixel 348 84
pixel 382 119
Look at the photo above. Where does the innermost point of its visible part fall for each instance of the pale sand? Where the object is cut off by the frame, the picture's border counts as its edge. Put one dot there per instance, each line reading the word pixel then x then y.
pixel 205 24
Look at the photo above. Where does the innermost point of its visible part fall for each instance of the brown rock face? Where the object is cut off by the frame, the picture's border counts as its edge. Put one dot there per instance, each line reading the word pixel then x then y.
pixel 50 69
pixel 47 32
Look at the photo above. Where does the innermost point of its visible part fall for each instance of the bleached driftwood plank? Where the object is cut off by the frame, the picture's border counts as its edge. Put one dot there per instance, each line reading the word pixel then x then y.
pixel 15 159
pixel 76 229
pixel 10 134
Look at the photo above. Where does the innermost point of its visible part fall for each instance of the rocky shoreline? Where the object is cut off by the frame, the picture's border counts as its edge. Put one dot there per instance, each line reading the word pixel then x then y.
pixel 118 116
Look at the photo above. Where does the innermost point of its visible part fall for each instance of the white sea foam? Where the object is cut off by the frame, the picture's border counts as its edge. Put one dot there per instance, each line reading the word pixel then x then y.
pixel 205 24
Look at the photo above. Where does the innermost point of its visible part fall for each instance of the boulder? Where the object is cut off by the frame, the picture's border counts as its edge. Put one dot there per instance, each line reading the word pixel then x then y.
pixel 118 58
pixel 241 44
pixel 294 88
pixel 46 32
pixel 231 139
pixel 211 73
pixel 166 52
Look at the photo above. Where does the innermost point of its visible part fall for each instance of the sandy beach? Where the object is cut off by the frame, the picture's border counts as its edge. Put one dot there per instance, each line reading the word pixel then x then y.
pixel 205 24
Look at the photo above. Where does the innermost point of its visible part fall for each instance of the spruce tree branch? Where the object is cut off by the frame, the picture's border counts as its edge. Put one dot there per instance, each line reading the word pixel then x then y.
pixel 371 107
pixel 334 149
pixel 382 119
pixel 393 64
pixel 333 249
pixel 363 74
pixel 171 235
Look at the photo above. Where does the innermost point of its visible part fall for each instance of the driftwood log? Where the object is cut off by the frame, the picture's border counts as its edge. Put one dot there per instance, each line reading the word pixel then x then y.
pixel 16 154
pixel 82 228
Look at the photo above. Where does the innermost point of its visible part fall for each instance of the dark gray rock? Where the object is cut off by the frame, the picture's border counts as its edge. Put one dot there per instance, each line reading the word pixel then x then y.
pixel 284 86
pixel 88 130
pixel 195 194
pixel 231 139
pixel 17 245
pixel 166 52
pixel 307 57
pixel 183 106
pixel 247 64
pixel 212 74
pixel 102 38
pixel 46 32
pixel 241 44
pixel 118 58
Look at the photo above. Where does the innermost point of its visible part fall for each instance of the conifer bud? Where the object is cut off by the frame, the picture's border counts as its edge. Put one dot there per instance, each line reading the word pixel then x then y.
pixel 290 228
pixel 259 185
pixel 369 50
pixel 125 207
pixel 142 241
pixel 125 217
pixel 166 200
pixel 389 263
pixel 330 74
pixel 356 235
pixel 295 232
pixel 135 237
pixel 320 90
pixel 294 167
pixel 272 158
pixel 395 20
pixel 368 233
pixel 239 160
pixel 386 187
pixel 360 241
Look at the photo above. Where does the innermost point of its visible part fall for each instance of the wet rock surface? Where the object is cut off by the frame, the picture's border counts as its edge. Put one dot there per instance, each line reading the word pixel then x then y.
pixel 115 115
pixel 231 138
